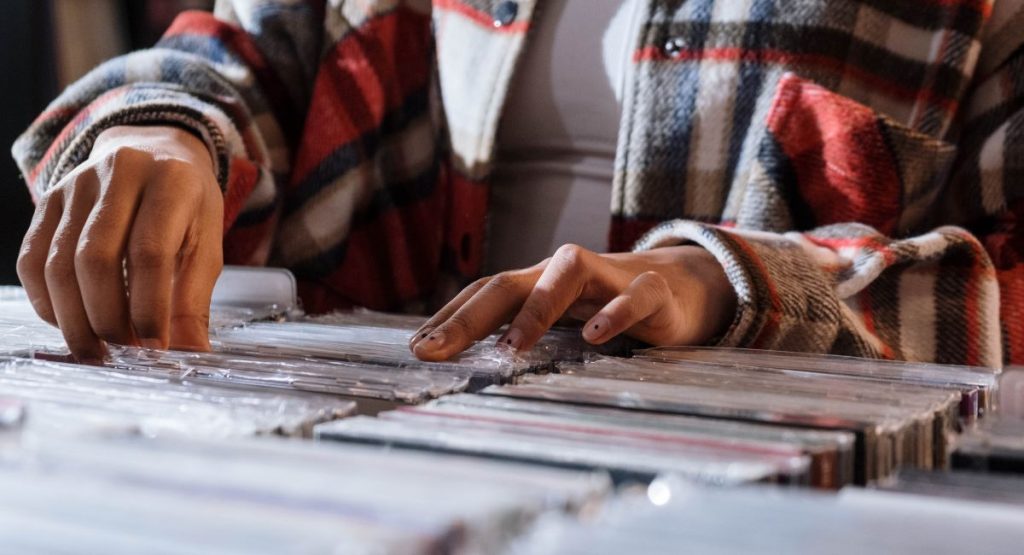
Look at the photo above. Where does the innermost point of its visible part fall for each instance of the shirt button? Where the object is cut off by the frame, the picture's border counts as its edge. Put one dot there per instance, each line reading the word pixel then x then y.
pixel 505 13
pixel 674 46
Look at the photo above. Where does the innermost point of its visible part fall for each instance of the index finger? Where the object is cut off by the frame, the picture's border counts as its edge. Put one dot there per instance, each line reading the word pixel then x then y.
pixel 562 283
pixel 490 306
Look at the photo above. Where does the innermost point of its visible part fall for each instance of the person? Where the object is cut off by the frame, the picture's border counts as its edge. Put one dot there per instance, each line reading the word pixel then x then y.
pixel 809 175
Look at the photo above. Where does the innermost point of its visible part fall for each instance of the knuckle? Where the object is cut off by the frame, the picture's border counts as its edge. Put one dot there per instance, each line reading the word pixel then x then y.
pixel 653 280
pixel 93 258
pixel 477 285
pixel 460 323
pixel 653 285
pixel 128 157
pixel 571 257
pixel 182 174
pixel 150 255
pixel 537 313
pixel 59 267
pixel 28 265
pixel 503 283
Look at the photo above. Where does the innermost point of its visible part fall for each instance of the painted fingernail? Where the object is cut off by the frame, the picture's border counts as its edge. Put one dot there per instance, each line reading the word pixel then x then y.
pixel 596 328
pixel 149 343
pixel 433 340
pixel 513 338
pixel 420 335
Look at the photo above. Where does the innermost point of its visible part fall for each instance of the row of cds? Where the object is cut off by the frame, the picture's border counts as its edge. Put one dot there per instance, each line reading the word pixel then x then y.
pixel 632 446
pixel 71 399
pixel 733 415
pixel 464 456
pixel 484 363
pixel 128 495
pixel 278 373
pixel 895 424
pixel 679 517
pixel 724 423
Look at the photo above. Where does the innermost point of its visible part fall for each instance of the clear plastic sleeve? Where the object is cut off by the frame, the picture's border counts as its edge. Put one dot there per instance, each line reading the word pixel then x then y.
pixel 77 399
pixel 352 379
pixel 889 435
pixel 627 460
pixel 941 402
pixel 487 363
pixel 121 495
pixel 976 384
pixel 676 517
pixel 831 452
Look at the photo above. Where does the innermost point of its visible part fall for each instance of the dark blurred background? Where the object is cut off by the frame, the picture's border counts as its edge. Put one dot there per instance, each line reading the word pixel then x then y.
pixel 44 45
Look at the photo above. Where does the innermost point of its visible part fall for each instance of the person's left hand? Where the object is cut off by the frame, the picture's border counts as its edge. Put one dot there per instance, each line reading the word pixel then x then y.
pixel 667 296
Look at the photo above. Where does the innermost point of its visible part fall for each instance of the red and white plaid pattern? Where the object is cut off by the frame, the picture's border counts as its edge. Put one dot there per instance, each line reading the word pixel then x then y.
pixel 824 150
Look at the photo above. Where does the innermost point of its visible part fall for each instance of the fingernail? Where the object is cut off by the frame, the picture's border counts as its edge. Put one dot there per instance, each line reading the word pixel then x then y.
pixel 149 343
pixel 512 338
pixel 420 335
pixel 433 340
pixel 595 329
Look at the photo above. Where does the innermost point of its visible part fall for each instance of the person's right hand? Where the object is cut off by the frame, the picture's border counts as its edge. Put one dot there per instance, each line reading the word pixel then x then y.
pixel 126 249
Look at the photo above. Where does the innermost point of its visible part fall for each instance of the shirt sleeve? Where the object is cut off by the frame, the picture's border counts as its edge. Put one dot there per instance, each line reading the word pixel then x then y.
pixel 937 277
pixel 239 78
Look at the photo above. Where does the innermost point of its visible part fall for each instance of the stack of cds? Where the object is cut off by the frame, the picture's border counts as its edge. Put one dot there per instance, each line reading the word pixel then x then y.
pixel 975 384
pixel 76 399
pixel 484 363
pixel 631 446
pixel 681 518
pixel 894 424
pixel 349 379
pixel 123 495
pixel 23 333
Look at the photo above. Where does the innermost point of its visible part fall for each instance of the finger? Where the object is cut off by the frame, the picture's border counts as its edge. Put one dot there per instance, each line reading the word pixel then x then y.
pixel 492 306
pixel 157 237
pixel 99 263
pixel 447 311
pixel 61 281
pixel 196 277
pixel 581 311
pixel 644 298
pixel 559 286
pixel 35 249
pixel 459 300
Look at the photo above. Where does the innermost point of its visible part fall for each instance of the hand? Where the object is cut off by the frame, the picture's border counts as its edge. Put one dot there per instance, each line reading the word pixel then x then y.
pixel 126 249
pixel 667 296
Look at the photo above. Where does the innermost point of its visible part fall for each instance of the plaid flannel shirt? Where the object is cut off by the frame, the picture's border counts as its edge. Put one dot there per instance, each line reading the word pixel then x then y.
pixel 857 166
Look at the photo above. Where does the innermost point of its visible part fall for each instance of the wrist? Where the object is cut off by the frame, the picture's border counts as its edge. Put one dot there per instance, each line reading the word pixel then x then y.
pixel 707 288
pixel 159 141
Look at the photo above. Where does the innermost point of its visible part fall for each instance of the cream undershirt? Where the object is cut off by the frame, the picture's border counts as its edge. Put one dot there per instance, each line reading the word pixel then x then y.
pixel 557 137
